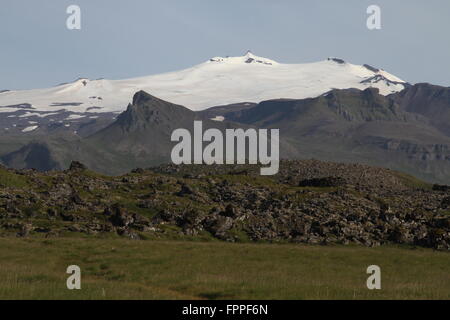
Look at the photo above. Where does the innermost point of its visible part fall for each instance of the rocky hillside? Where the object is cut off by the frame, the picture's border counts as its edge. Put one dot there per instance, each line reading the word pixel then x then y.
pixel 428 100
pixel 406 131
pixel 307 202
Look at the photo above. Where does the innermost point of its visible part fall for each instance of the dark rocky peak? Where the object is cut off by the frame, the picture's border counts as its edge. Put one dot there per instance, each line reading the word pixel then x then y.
pixel 373 69
pixel 347 104
pixel 371 92
pixel 424 98
pixel 141 97
pixel 337 60
pixel 368 94
pixel 147 110
pixel 428 100
pixel 426 90
pixel 77 166
pixel 362 105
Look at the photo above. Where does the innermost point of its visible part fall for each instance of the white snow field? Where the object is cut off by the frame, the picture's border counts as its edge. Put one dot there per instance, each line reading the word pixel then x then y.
pixel 219 81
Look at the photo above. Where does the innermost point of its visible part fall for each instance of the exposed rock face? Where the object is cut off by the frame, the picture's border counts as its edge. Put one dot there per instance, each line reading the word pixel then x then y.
pixel 428 100
pixel 406 131
pixel 76 166
pixel 438 187
pixel 307 202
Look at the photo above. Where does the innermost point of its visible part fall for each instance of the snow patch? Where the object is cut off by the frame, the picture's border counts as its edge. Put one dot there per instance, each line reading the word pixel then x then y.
pixel 29 129
pixel 75 116
pixel 218 118
pixel 35 114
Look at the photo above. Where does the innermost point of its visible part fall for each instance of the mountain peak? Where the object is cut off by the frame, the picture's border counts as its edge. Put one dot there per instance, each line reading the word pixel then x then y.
pixel 249 54
pixel 219 81
pixel 141 96
pixel 337 60
pixel 147 110
pixel 248 58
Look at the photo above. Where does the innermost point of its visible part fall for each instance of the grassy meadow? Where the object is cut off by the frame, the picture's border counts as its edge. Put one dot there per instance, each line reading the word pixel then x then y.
pixel 127 269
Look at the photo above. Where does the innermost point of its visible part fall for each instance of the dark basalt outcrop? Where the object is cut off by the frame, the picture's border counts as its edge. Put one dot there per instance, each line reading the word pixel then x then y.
pixel 322 182
pixel 307 202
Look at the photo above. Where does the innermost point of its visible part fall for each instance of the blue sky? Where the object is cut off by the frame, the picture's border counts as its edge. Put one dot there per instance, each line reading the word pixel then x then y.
pixel 122 39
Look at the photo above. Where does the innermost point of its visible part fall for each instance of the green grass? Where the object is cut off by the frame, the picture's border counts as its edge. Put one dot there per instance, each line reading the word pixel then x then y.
pixel 411 181
pixel 12 180
pixel 126 269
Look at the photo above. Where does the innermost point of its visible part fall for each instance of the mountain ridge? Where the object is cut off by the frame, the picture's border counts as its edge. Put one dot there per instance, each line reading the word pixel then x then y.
pixel 345 125
pixel 218 81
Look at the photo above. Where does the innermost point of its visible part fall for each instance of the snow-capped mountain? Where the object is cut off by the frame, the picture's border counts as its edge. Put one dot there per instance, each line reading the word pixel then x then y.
pixel 219 81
